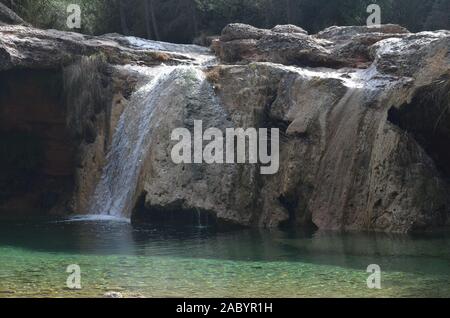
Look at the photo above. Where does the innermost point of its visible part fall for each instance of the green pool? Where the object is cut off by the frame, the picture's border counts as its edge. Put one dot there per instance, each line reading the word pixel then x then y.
pixel 199 262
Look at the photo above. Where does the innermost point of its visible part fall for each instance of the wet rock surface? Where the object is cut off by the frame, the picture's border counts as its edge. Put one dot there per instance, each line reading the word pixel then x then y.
pixel 26 47
pixel 344 165
pixel 347 102
pixel 335 47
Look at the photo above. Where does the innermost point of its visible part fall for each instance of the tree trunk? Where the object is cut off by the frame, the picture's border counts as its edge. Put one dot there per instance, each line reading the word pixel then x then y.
pixel 147 20
pixel 123 17
pixel 194 18
pixel 154 22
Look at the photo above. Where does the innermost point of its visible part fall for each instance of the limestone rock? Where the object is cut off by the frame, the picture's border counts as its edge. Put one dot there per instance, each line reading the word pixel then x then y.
pixel 334 47
pixel 347 161
pixel 239 31
pixel 412 54
pixel 25 47
pixel 289 28
pixel 362 112
pixel 244 43
pixel 338 33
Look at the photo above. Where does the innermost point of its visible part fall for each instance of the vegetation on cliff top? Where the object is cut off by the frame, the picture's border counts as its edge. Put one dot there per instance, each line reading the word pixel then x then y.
pixel 186 20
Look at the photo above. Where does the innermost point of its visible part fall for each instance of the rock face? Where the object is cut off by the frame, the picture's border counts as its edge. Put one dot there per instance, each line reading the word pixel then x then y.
pixel 352 159
pixel 63 93
pixel 27 47
pixel 363 115
pixel 289 28
pixel 243 43
pixel 334 47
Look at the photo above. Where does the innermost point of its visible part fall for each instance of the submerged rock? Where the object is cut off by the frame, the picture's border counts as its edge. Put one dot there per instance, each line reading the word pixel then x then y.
pixel 113 295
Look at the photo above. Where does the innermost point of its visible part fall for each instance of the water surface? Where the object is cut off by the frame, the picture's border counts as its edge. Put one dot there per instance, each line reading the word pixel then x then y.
pixel 199 262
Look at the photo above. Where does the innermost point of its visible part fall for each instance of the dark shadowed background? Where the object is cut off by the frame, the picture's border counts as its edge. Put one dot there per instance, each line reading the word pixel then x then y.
pixel 183 21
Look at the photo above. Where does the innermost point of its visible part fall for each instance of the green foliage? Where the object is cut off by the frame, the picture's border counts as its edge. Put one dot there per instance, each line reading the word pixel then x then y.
pixel 53 13
pixel 183 20
pixel 218 13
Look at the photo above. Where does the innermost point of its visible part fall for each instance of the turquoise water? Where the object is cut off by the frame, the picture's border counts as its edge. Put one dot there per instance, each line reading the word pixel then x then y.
pixel 198 262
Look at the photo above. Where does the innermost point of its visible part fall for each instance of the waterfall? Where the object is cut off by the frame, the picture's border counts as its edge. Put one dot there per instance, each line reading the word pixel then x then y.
pixel 115 190
pixel 115 193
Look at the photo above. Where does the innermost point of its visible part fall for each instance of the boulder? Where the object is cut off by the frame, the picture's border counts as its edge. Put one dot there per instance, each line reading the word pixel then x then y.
pixel 27 47
pixel 337 33
pixel 239 31
pixel 243 43
pixel 412 55
pixel 289 28
pixel 335 47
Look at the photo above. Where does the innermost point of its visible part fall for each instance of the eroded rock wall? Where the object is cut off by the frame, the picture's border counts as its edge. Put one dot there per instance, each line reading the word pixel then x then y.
pixel 362 112
pixel 345 165
pixel 37 151
pixel 63 110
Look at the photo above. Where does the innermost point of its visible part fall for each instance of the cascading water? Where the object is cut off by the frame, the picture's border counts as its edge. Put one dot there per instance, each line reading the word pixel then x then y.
pixel 115 189
pixel 118 187
pixel 115 193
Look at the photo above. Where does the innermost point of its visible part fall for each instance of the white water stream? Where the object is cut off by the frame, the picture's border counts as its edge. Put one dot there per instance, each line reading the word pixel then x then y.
pixel 115 193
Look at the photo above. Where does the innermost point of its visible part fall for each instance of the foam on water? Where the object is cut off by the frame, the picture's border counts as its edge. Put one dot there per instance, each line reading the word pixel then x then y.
pixel 369 78
pixel 164 46
pixel 200 55
pixel 115 194
pixel 95 218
